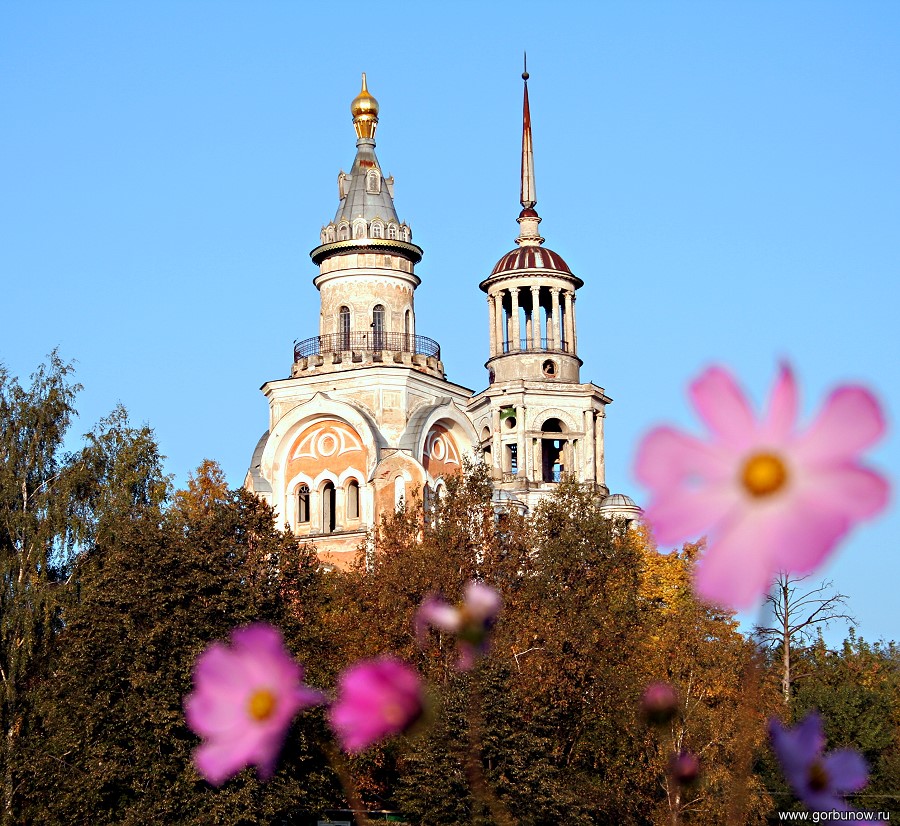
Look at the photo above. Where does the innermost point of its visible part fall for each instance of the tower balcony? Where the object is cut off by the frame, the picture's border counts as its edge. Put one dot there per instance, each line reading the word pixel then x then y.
pixel 350 350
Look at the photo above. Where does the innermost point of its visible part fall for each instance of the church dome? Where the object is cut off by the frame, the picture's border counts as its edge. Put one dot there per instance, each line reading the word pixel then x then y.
pixel 530 258
pixel 364 103
pixel 617 500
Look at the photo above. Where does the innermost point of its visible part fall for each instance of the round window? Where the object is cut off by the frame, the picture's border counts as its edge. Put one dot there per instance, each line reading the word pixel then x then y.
pixel 510 422
pixel 549 368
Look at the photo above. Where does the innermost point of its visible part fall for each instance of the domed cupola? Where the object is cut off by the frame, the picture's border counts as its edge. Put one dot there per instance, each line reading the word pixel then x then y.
pixel 531 295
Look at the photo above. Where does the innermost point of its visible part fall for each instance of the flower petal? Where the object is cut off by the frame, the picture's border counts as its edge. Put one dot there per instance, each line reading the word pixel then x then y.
pixel 682 513
pixel 821 513
pixel 850 421
pixel 667 457
pixel 482 602
pixel 217 760
pixel 736 570
pixel 723 407
pixel 782 408
pixel 847 770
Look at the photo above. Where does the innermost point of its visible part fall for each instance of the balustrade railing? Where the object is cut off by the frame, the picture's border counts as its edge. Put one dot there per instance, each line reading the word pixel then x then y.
pixel 526 345
pixel 367 342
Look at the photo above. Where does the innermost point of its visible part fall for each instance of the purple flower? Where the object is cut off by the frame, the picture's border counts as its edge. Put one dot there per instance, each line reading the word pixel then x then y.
pixel 244 700
pixel 819 781
pixel 376 699
pixel 471 621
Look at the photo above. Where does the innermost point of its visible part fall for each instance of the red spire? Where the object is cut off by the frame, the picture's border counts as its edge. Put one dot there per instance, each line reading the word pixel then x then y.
pixel 528 195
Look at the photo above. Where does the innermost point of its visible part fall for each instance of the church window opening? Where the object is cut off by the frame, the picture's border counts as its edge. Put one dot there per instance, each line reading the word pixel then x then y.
pixel 353 499
pixel 344 233
pixel 549 368
pixel 329 508
pixel 553 450
pixel 373 182
pixel 405 233
pixel 329 235
pixel 407 319
pixel 512 453
pixel 378 327
pixel 399 491
pixel 377 230
pixel 303 505
pixel 392 232
pixel 345 328
pixel 359 231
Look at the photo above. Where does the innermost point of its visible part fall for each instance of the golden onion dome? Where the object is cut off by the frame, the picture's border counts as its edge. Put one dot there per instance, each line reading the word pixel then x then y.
pixel 364 103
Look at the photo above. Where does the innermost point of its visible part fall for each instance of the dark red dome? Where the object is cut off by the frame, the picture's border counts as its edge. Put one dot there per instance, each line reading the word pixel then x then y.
pixel 529 258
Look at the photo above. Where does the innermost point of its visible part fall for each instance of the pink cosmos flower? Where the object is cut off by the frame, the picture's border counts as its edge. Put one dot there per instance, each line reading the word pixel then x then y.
pixel 471 621
pixel 770 498
pixel 820 782
pixel 244 700
pixel 376 699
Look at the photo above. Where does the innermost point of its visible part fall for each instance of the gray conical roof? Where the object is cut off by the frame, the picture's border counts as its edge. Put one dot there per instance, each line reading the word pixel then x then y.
pixel 360 203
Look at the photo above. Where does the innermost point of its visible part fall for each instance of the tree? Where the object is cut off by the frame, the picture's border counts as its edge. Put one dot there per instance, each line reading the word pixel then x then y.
pixel 147 598
pixel 36 532
pixel 796 617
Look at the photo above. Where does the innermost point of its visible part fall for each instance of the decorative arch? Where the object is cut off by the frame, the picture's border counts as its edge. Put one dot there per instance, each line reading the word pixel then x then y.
pixel 537 419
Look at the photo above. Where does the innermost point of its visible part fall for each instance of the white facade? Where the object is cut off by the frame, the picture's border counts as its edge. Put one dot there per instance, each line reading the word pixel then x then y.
pixel 367 418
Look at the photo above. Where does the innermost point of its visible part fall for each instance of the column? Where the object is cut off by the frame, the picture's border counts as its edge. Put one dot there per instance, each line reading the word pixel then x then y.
pixel 535 318
pixel 521 441
pixel 515 332
pixel 496 445
pixel 589 448
pixel 553 323
pixel 601 458
pixel 498 322
pixel 566 322
pixel 340 516
pixel 572 298
pixel 492 327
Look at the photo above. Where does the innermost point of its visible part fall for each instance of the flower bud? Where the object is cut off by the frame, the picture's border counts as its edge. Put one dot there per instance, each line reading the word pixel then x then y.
pixel 684 768
pixel 659 704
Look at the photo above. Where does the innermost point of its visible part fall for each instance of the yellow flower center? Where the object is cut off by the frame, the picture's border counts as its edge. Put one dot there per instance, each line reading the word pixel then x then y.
pixel 818 777
pixel 261 704
pixel 764 473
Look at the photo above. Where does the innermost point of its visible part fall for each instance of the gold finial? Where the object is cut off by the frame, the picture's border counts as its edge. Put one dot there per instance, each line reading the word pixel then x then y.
pixel 365 112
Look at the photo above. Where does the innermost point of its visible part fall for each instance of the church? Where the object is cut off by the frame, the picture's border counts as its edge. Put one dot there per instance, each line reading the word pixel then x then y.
pixel 367 418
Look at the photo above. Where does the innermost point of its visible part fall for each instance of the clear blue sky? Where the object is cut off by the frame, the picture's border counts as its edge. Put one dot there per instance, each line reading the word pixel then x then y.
pixel 725 177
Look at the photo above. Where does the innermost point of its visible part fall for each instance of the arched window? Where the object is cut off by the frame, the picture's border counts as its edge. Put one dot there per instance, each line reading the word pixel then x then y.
pixel 344 233
pixel 303 504
pixel 378 327
pixel 399 492
pixel 329 235
pixel 329 503
pixel 373 182
pixel 405 233
pixel 359 231
pixel 377 230
pixel 407 325
pixel 353 500
pixel 344 327
pixel 392 232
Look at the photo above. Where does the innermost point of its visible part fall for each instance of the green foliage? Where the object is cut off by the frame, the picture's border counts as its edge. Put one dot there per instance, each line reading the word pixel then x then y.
pixel 36 528
pixel 112 587
pixel 151 595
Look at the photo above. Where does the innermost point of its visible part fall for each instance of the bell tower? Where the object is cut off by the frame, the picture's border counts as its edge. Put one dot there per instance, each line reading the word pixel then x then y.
pixel 536 420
